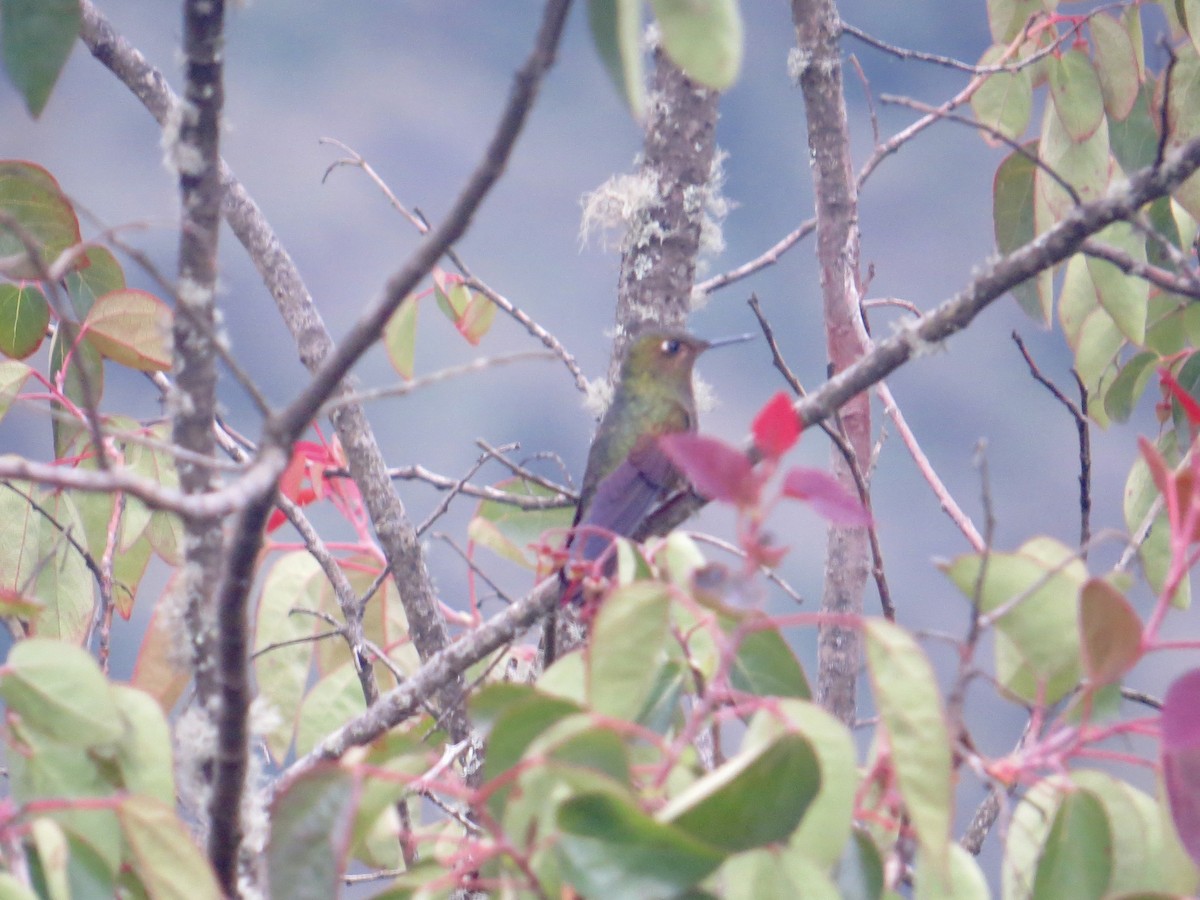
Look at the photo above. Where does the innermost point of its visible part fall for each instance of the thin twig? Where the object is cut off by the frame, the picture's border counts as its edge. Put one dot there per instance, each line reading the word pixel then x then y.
pixel 1079 414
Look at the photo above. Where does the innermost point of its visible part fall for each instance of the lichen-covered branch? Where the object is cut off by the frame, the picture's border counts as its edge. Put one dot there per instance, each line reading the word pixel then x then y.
pixel 817 65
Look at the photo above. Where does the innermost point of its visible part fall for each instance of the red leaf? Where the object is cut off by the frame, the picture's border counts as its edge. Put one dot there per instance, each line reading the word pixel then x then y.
pixel 715 469
pixel 1190 407
pixel 1181 758
pixel 828 498
pixel 1111 632
pixel 776 427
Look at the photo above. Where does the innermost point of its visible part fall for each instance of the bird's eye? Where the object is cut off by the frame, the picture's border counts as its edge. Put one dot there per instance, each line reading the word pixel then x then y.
pixel 670 346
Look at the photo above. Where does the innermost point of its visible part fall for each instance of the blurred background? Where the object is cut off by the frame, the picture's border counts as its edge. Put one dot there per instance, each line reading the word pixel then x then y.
pixel 416 87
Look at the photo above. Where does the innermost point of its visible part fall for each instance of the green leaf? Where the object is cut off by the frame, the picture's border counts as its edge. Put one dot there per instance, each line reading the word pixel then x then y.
pixel 513 716
pixel 616 30
pixel 910 709
pixel 99 274
pixel 132 328
pixel 1183 118
pixel 766 667
pixel 965 882
pixel 1134 139
pixel 64 583
pixel 1075 92
pixel 1083 163
pixel 36 37
pixel 400 337
pixel 1013 221
pixel 739 805
pixel 1116 65
pixel 1034 593
pixel 627 648
pixel 702 37
pixel 58 689
pixel 164 857
pixel 1129 385
pixel 859 872
pixel 767 875
pixel 12 379
pixel 144 753
pixel 1004 100
pixel 73 363
pixel 1139 858
pixel 1007 18
pixel 281 673
pixel 311 821
pixel 827 824
pixel 24 316
pixel 33 198
pixel 331 702
pixel 1124 298
pixel 1076 858
pixel 514 533
pixel 607 847
pixel 1027 832
pixel 1110 632
pixel 1139 496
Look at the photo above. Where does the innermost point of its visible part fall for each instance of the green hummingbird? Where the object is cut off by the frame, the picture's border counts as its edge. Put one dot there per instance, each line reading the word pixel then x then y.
pixel 626 472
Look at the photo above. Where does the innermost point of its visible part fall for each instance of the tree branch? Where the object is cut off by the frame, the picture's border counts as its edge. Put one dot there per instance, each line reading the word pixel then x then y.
pixel 847 552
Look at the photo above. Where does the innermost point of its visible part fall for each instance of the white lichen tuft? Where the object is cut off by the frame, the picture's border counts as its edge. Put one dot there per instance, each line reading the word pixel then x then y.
pixel 169 139
pixel 706 396
pixel 195 748
pixel 909 332
pixel 618 207
pixel 599 395
pixel 798 62
pixel 715 207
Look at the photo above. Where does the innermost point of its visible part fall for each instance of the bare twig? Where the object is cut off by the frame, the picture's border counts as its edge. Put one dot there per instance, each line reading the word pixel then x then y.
pixel 484 492
pixel 1079 415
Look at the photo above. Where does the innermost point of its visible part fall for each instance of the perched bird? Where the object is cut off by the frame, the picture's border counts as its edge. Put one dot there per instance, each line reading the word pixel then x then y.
pixel 626 471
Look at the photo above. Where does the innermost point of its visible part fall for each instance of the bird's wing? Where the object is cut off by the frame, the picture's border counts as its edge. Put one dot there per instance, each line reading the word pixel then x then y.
pixel 624 496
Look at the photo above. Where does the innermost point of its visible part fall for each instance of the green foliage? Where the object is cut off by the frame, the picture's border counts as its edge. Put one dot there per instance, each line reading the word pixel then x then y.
pixel 678 754
pixel 36 37
pixel 703 38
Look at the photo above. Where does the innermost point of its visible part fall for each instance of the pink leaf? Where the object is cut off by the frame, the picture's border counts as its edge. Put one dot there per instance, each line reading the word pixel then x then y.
pixel 776 427
pixel 715 469
pixel 828 498
pixel 1181 758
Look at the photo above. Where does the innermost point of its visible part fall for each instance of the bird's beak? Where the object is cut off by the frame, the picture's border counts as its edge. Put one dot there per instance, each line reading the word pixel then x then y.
pixel 725 341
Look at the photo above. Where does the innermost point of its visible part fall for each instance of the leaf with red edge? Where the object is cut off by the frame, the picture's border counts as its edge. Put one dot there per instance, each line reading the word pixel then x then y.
pixel 471 312
pixel 1191 408
pixel 132 328
pixel 24 315
pixel 1159 471
pixel 776 428
pixel 827 496
pixel 1178 489
pixel 1110 630
pixel 715 469
pixel 33 198
pixel 1181 758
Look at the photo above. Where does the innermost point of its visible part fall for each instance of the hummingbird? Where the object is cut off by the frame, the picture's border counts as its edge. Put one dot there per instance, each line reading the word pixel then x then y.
pixel 627 473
